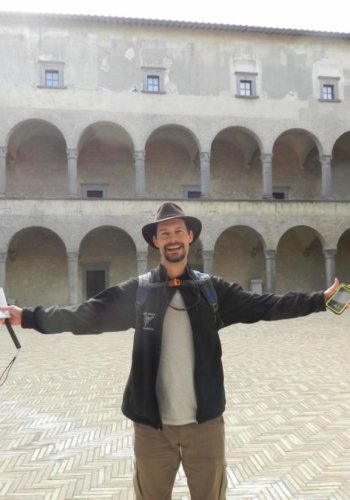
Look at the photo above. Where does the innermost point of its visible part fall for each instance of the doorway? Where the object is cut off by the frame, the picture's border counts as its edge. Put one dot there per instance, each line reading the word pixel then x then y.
pixel 95 280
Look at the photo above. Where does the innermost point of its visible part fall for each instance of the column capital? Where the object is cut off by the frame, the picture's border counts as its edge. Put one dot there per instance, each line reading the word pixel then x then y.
pixel 207 254
pixel 266 158
pixel 3 256
pixel 205 155
pixel 3 152
pixel 329 253
pixel 141 255
pixel 72 153
pixel 71 256
pixel 270 254
pixel 326 159
pixel 140 155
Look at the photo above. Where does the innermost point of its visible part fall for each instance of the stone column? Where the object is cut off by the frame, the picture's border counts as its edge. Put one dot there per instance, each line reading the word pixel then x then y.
pixel 326 177
pixel 72 157
pixel 72 258
pixel 140 173
pixel 270 259
pixel 266 161
pixel 208 261
pixel 205 174
pixel 142 261
pixel 3 152
pixel 329 256
pixel 3 257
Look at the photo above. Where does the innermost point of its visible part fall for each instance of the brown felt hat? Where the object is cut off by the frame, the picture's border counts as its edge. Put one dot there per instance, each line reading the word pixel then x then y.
pixel 169 211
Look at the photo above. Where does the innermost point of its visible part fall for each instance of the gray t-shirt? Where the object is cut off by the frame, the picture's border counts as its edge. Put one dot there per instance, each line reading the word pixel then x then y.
pixel 175 379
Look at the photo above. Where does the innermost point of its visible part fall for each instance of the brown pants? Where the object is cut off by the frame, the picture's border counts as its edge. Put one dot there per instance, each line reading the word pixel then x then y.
pixel 200 448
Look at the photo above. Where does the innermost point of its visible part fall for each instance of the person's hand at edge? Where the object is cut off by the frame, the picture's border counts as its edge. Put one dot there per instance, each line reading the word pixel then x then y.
pixel 15 315
pixel 331 290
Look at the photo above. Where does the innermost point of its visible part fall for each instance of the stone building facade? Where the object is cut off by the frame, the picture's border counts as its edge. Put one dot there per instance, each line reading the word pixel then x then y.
pixel 104 118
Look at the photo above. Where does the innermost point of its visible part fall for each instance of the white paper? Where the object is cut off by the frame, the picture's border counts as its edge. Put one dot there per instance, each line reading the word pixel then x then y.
pixel 3 303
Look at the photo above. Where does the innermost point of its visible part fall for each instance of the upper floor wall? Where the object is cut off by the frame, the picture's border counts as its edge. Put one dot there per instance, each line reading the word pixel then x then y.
pixel 98 53
pixel 80 63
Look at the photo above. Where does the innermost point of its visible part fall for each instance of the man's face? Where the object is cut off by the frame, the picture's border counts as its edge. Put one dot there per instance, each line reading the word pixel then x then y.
pixel 173 240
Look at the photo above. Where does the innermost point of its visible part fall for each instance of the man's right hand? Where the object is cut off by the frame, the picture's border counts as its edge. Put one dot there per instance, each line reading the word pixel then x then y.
pixel 15 315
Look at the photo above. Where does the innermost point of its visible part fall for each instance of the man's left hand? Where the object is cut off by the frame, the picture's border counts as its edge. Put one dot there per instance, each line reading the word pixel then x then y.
pixel 331 290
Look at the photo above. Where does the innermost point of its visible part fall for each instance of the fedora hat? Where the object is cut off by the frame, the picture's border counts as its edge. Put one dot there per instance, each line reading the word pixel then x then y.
pixel 168 211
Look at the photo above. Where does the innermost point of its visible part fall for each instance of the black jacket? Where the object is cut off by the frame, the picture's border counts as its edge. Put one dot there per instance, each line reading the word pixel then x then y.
pixel 114 309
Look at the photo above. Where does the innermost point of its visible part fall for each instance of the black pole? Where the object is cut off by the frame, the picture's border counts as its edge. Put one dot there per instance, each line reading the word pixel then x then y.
pixel 12 333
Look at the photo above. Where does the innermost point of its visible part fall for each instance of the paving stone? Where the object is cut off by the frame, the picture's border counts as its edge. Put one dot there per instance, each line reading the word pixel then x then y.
pixel 62 434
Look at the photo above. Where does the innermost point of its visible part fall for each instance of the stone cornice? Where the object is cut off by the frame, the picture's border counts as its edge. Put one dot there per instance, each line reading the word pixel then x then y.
pixel 163 23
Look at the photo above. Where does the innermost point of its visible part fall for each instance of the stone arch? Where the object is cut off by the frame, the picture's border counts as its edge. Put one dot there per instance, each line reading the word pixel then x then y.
pixel 36 163
pixel 106 162
pixel 341 167
pixel 235 166
pixel 36 267
pixel 172 162
pixel 300 262
pixel 296 167
pixel 343 257
pixel 108 249
pixel 26 117
pixel 228 125
pixel 239 255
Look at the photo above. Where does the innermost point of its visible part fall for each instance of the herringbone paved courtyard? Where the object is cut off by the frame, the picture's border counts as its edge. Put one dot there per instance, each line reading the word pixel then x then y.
pixel 287 420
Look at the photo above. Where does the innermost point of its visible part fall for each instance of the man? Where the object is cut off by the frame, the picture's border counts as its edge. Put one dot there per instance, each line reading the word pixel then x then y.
pixel 175 392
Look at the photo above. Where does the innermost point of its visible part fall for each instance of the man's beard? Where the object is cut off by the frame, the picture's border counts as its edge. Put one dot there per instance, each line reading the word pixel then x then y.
pixel 175 258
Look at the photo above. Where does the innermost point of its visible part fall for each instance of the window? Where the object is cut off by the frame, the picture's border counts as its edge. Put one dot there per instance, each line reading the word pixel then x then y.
pixel 245 88
pixel 52 78
pixel 95 282
pixel 94 190
pixel 152 83
pixel 95 278
pixel 246 85
pixel 192 192
pixel 94 193
pixel 328 92
pixel 280 193
pixel 329 89
pixel 153 80
pixel 51 74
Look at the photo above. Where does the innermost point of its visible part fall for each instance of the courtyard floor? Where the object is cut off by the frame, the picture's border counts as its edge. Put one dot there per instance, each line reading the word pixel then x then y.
pixel 62 434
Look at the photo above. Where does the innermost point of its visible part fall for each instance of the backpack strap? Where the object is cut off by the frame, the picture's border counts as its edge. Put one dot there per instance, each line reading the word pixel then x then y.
pixel 202 279
pixel 208 288
pixel 142 289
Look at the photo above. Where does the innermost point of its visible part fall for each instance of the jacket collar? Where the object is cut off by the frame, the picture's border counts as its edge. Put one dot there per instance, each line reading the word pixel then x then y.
pixel 160 274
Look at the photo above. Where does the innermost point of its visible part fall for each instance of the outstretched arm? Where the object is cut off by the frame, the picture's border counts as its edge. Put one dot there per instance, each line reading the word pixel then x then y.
pixel 239 306
pixel 111 310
